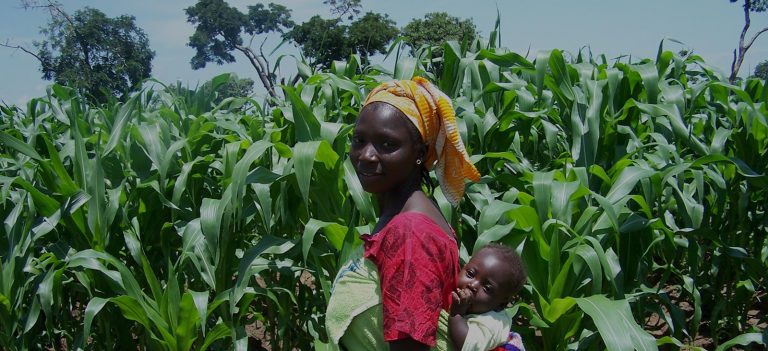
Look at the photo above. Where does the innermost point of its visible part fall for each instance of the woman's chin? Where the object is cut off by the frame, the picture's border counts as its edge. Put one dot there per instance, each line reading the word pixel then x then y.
pixel 372 183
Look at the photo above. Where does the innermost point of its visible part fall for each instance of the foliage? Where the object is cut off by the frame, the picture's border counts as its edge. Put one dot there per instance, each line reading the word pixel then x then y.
pixel 618 180
pixel 234 88
pixel 328 40
pixel 371 34
pixel 436 28
pixel 219 28
pixel 321 40
pixel 754 5
pixel 212 93
pixel 761 70
pixel 341 8
pixel 635 192
pixel 95 54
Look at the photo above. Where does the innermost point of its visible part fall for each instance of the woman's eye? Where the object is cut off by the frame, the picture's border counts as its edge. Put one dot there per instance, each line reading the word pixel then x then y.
pixel 356 140
pixel 487 289
pixel 388 145
pixel 470 274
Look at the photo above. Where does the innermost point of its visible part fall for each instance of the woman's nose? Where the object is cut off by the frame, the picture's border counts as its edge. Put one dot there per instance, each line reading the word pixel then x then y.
pixel 368 153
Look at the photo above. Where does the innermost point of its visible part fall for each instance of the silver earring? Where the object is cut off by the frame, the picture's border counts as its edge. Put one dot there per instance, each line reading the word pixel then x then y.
pixel 418 162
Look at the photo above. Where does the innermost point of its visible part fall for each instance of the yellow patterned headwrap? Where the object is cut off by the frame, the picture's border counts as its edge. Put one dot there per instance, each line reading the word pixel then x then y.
pixel 431 112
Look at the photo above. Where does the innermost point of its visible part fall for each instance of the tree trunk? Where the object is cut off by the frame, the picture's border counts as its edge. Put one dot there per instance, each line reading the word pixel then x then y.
pixel 741 50
pixel 260 66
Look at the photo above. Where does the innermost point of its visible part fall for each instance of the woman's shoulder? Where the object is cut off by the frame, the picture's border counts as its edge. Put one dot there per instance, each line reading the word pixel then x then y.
pixel 409 231
pixel 420 206
pixel 416 228
pixel 418 221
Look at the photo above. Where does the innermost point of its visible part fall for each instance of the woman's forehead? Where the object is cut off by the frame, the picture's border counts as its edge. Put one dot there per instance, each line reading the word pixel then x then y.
pixel 380 108
pixel 378 118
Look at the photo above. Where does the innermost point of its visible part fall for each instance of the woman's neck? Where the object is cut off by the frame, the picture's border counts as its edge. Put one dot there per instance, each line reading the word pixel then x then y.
pixel 392 203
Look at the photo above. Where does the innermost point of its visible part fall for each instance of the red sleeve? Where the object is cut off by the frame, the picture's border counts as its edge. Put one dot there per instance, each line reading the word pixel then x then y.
pixel 418 264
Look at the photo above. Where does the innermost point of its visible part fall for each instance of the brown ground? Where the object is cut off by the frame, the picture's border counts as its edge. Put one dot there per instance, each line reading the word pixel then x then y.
pixel 259 340
pixel 657 326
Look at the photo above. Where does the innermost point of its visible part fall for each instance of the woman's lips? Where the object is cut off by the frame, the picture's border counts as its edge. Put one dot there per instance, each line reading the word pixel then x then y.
pixel 365 173
pixel 368 174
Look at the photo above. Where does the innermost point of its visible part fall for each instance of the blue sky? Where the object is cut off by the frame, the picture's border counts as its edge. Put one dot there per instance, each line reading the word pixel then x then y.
pixel 708 27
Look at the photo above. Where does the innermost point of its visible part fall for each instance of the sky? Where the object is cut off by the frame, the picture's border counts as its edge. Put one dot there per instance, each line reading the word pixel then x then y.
pixel 710 28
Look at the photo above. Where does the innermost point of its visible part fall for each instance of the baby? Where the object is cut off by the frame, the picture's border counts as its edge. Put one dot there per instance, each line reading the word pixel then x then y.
pixel 485 286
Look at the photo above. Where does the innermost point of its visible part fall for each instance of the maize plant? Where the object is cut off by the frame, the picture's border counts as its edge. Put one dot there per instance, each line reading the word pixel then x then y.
pixel 634 191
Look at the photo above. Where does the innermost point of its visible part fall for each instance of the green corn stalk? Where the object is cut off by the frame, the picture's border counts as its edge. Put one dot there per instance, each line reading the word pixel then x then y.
pixel 635 187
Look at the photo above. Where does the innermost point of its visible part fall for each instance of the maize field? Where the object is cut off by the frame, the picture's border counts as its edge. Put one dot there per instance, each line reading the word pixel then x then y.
pixel 636 193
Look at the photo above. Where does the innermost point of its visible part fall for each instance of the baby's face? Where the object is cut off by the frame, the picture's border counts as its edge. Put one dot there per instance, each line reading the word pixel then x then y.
pixel 485 276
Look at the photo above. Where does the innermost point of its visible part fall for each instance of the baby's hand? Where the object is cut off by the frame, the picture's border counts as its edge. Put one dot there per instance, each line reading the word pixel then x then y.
pixel 462 299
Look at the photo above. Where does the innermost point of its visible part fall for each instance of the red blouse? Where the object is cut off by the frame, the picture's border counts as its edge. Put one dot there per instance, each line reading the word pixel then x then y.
pixel 418 263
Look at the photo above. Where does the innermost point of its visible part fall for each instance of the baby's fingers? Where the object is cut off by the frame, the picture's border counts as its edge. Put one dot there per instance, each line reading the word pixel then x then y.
pixel 464 293
pixel 456 298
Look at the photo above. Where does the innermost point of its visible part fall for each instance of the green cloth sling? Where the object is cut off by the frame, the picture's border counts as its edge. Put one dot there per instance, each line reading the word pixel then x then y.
pixel 356 296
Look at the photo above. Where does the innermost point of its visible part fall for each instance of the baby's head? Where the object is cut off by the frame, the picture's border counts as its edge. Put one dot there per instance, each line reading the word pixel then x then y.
pixel 494 275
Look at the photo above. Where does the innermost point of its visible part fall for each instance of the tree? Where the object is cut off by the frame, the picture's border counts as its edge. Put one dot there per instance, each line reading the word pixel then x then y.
pixel 321 40
pixel 437 28
pixel 761 70
pixel 371 34
pixel 235 87
pixel 341 8
pixel 92 53
pixel 749 6
pixel 204 98
pixel 324 41
pixel 220 28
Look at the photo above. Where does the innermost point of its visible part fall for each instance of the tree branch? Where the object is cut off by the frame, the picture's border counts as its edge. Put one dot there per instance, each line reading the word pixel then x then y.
pixel 19 47
pixel 263 58
pixel 752 40
pixel 260 69
pixel 34 4
pixel 82 42
pixel 747 21
pixel 54 8
pixel 738 58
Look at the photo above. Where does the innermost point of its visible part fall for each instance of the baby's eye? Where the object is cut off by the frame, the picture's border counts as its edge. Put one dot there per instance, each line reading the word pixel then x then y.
pixel 356 140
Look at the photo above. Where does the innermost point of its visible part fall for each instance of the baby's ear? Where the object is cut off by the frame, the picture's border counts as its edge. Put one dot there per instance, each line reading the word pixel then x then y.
pixel 503 305
pixel 506 303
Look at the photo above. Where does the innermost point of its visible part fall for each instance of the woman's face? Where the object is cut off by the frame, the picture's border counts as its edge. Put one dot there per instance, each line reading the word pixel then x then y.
pixel 383 150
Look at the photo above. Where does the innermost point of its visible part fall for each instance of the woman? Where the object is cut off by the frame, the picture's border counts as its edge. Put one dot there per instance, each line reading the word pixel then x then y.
pixel 389 295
